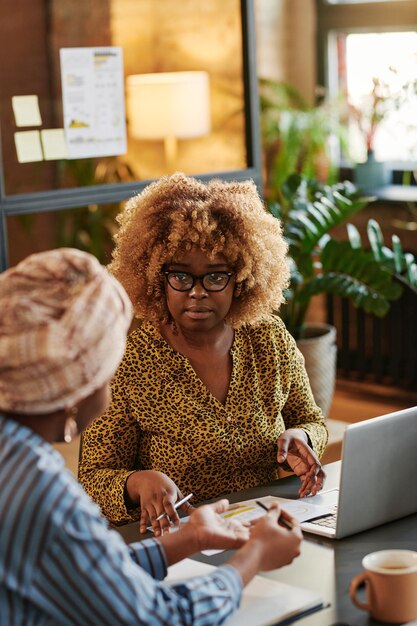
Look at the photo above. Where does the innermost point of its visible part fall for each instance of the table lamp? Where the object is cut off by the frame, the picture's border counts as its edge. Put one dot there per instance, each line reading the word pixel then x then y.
pixel 168 106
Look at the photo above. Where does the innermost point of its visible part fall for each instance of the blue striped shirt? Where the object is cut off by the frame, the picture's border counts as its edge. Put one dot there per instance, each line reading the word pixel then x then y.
pixel 61 564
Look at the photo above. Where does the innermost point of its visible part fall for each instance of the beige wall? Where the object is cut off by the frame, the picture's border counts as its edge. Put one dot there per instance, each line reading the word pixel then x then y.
pixel 286 45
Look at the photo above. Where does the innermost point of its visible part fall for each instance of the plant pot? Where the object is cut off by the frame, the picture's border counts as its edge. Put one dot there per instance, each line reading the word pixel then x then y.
pixel 319 350
pixel 372 173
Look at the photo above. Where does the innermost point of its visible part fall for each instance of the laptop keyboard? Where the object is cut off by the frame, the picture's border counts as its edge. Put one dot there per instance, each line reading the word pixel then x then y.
pixel 328 520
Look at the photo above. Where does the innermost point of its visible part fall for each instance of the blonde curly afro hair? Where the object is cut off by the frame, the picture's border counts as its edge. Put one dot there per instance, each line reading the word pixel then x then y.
pixel 178 213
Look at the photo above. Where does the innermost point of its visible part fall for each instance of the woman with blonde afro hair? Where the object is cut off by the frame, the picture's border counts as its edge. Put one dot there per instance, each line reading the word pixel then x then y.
pixel 212 395
pixel 176 214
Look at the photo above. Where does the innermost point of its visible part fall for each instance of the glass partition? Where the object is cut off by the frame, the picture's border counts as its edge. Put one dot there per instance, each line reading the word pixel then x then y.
pixel 97 99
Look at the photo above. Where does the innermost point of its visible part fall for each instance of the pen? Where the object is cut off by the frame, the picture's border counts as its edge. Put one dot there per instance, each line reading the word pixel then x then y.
pixel 176 506
pixel 281 519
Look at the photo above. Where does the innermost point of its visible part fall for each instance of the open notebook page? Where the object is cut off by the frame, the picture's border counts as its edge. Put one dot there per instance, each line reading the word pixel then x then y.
pixel 264 601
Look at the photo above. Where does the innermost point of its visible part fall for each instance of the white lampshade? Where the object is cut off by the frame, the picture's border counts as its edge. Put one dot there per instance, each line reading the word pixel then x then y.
pixel 170 104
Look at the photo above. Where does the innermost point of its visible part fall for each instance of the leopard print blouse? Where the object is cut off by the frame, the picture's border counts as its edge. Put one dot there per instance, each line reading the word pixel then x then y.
pixel 162 417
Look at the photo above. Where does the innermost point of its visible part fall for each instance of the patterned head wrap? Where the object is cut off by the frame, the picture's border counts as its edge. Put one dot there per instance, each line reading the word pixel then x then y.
pixel 63 325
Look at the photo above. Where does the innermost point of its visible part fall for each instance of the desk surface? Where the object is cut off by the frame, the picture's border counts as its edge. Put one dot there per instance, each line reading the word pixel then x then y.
pixel 325 565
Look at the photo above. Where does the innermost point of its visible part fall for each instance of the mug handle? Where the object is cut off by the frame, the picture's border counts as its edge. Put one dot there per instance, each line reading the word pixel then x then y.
pixel 353 587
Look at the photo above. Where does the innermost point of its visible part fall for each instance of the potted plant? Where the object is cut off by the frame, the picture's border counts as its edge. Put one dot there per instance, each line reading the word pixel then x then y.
pixel 296 136
pixel 369 274
pixel 367 117
pixel 305 196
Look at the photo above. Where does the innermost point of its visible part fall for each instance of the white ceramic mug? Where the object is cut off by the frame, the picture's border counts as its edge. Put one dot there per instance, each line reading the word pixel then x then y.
pixel 390 578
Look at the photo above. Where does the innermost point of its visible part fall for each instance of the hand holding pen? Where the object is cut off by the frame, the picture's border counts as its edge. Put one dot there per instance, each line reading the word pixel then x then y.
pixel 176 506
pixel 165 520
pixel 282 520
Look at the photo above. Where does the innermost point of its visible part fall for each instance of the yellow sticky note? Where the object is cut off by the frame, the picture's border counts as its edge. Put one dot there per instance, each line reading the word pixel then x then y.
pixel 28 146
pixel 53 144
pixel 26 111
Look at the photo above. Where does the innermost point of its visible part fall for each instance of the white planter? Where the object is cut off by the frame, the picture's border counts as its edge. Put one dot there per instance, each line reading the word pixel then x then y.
pixel 320 351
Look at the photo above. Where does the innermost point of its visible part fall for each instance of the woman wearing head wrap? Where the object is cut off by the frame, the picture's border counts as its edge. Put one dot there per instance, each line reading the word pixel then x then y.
pixel 63 323
pixel 212 391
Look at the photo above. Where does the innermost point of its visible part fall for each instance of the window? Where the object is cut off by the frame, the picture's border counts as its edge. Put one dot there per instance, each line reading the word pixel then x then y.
pixel 358 1
pixel 381 89
pixel 368 55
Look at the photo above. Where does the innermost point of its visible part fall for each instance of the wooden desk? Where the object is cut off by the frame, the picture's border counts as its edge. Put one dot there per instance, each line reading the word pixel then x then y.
pixel 325 565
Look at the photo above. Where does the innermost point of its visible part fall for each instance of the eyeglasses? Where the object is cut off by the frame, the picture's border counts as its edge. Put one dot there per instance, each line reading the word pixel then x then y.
pixel 184 281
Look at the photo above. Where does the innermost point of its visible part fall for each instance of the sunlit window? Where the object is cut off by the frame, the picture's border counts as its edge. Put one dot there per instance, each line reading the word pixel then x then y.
pixel 356 1
pixel 377 74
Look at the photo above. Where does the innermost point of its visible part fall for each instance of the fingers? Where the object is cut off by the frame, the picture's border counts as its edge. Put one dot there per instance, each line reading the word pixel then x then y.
pixel 320 477
pixel 283 443
pixel 220 506
pixel 160 526
pixel 273 513
pixel 143 519
pixel 149 516
pixel 162 515
pixel 274 509
pixel 282 517
pixel 292 441
pixel 306 465
pixel 240 537
pixel 186 508
pixel 169 510
pixel 287 520
pixel 312 481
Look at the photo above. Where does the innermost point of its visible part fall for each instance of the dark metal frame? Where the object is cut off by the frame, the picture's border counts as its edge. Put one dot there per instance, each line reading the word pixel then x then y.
pixel 56 200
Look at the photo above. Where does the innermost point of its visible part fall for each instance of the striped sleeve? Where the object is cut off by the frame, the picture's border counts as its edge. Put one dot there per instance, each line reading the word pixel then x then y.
pixel 62 565
pixel 96 567
pixel 149 555
pixel 210 595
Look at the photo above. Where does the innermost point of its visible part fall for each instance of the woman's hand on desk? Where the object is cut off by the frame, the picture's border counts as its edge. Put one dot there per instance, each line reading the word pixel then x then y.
pixel 155 494
pixel 294 449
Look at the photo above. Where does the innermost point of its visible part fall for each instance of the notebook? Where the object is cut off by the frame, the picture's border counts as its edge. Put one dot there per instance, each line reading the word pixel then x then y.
pixel 264 601
pixel 378 477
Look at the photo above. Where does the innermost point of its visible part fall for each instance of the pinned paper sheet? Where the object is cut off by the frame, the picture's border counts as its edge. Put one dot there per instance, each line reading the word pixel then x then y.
pixel 53 144
pixel 28 146
pixel 93 101
pixel 26 111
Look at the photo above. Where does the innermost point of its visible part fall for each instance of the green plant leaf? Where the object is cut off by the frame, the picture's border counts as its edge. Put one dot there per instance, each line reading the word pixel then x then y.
pixel 411 265
pixel 398 254
pixel 360 265
pixel 370 278
pixel 315 211
pixel 375 238
pixel 362 295
pixel 354 236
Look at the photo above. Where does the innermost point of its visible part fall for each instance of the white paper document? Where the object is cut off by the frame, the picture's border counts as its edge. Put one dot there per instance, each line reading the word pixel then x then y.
pixel 264 601
pixel 301 509
pixel 93 101
pixel 247 511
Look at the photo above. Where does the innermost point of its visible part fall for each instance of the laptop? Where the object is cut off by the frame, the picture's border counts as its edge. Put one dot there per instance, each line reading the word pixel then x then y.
pixel 378 477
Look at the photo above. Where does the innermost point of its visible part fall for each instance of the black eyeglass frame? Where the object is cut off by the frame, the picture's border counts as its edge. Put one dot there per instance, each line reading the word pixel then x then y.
pixel 195 278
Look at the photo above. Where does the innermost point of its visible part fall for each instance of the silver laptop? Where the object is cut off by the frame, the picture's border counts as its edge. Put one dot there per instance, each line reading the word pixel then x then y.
pixel 378 482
